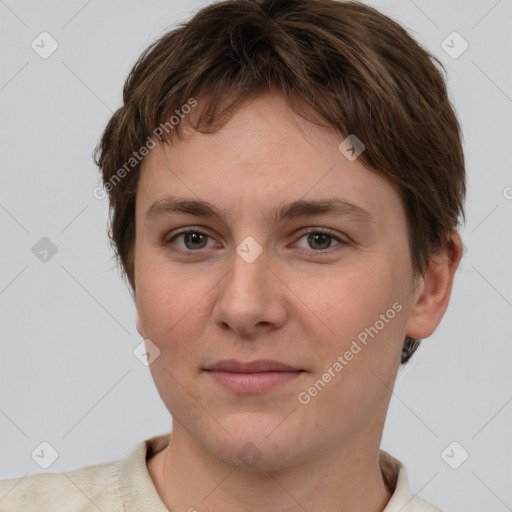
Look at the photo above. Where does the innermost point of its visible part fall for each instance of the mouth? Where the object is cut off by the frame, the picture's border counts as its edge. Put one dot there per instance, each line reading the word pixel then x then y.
pixel 252 377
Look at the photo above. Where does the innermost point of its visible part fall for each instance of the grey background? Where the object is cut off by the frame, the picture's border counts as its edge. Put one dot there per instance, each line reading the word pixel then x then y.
pixel 68 375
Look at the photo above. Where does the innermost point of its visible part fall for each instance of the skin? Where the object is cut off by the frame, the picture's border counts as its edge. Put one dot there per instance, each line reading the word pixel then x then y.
pixel 292 304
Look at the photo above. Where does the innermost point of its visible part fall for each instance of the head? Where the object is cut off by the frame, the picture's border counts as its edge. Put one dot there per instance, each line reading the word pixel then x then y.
pixel 252 115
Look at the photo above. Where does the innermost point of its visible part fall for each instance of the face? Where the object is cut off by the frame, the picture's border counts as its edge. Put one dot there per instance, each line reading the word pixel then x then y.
pixel 325 291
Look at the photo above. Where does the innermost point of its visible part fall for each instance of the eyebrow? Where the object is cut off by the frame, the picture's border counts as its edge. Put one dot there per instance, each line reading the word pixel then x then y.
pixel 300 208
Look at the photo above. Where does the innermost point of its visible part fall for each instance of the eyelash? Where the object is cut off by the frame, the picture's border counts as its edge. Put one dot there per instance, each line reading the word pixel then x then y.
pixel 305 231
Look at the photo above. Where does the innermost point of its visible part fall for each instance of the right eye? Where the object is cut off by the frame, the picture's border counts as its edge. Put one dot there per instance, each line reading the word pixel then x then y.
pixel 192 238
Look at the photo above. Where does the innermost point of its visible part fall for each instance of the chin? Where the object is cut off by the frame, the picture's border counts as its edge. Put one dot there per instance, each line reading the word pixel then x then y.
pixel 258 449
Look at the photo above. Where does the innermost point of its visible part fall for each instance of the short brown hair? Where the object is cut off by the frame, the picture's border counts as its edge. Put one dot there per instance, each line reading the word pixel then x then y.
pixel 357 70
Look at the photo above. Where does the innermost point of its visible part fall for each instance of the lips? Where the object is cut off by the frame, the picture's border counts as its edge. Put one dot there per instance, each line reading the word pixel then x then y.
pixel 262 365
pixel 252 377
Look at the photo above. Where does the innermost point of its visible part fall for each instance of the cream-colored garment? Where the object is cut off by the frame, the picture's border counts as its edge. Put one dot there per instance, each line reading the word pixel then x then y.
pixel 126 486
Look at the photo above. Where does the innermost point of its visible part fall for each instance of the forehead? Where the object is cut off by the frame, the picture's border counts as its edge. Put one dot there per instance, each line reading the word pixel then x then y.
pixel 265 154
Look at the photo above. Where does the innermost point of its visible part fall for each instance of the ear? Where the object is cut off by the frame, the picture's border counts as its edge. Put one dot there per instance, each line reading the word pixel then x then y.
pixel 432 293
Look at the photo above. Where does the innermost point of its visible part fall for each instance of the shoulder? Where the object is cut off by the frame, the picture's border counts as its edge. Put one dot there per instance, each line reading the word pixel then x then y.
pixel 418 505
pixel 109 487
pixel 402 500
pixel 81 490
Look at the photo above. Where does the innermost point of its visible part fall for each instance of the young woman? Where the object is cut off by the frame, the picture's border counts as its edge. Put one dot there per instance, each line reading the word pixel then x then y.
pixel 285 179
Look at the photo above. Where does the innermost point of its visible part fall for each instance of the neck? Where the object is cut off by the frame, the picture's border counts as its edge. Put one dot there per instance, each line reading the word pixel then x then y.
pixel 187 478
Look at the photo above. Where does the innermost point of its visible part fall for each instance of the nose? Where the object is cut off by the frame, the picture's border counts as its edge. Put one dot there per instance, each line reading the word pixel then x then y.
pixel 250 298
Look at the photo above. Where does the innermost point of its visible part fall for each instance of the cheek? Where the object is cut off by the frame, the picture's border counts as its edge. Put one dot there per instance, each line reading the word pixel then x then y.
pixel 365 312
pixel 167 296
pixel 354 299
pixel 169 308
pixel 357 358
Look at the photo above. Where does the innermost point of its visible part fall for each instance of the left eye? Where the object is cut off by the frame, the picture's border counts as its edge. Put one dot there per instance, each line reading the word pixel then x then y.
pixel 322 239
